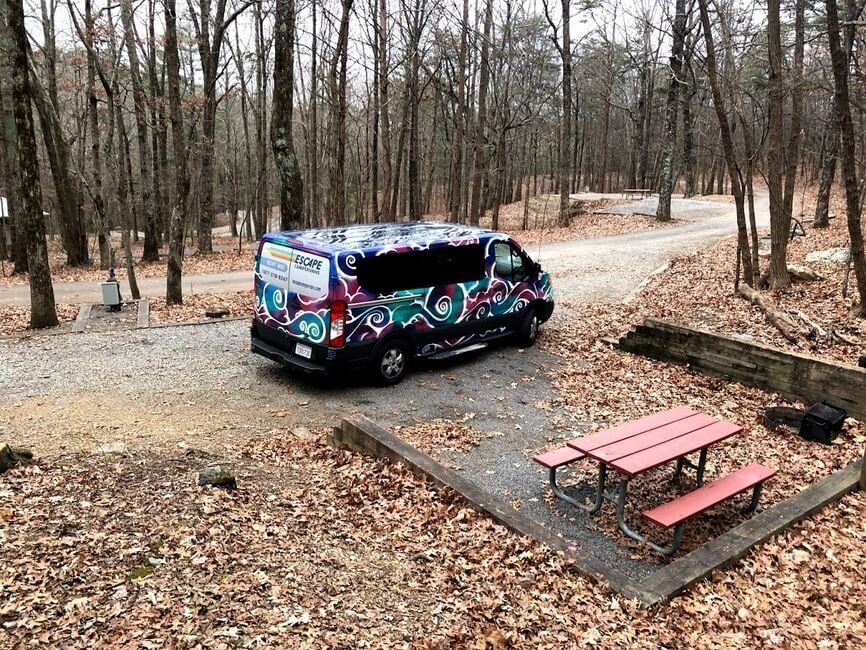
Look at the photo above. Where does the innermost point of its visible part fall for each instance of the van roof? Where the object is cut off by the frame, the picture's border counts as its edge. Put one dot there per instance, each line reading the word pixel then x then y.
pixel 378 235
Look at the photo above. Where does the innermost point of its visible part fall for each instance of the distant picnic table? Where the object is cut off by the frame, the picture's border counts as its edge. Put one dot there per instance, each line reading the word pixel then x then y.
pixel 636 192
pixel 634 448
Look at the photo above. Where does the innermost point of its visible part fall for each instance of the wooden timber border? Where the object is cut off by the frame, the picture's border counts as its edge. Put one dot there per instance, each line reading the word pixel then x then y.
pixel 796 376
pixel 362 435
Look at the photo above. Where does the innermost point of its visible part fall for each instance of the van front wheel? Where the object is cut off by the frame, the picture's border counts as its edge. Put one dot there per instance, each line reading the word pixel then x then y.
pixel 391 363
pixel 527 333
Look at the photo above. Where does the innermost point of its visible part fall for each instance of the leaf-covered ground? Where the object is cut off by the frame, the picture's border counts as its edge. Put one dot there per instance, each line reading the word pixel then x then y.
pixel 15 319
pixel 195 306
pixel 588 223
pixel 319 548
pixel 225 260
pixel 698 289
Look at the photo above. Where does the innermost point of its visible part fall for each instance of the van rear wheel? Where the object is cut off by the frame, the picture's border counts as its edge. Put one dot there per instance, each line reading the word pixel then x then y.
pixel 390 363
pixel 527 333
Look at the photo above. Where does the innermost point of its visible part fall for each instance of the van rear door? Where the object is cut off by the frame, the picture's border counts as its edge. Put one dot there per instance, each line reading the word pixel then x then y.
pixel 293 291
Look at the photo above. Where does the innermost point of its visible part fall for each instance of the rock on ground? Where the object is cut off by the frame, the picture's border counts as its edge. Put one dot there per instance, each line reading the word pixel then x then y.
pixel 217 476
pixel 839 255
pixel 804 273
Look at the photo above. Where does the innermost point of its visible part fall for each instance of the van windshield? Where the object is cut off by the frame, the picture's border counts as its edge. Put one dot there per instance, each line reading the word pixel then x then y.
pixel 295 271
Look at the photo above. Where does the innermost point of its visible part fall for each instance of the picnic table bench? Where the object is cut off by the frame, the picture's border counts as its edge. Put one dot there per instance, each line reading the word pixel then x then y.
pixel 634 448
pixel 638 192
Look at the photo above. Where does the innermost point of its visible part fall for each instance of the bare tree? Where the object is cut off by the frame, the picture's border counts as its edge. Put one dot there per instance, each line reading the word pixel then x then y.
pixel 291 183
pixel 847 141
pixel 173 286
pixel 456 180
pixel 663 212
pixel 146 193
pixel 479 144
pixel 727 143
pixel 565 161
pixel 32 224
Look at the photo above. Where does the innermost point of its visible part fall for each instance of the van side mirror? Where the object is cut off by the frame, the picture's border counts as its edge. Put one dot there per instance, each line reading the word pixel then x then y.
pixel 536 270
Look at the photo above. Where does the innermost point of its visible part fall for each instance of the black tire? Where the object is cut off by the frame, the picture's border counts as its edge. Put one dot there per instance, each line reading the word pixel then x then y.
pixel 527 332
pixel 390 362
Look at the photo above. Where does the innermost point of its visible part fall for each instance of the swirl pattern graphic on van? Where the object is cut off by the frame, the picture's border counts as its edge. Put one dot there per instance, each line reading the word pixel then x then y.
pixel 304 318
pixel 434 307
pixel 373 315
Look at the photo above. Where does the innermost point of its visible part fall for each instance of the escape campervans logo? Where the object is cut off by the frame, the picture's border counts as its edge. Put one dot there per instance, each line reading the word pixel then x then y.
pixel 309 276
pixel 295 271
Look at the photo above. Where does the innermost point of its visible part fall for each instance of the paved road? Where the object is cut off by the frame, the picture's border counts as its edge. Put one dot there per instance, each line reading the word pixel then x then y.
pixel 602 269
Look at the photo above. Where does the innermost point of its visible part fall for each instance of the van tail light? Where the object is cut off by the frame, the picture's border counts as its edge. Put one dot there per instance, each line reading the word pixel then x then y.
pixel 338 324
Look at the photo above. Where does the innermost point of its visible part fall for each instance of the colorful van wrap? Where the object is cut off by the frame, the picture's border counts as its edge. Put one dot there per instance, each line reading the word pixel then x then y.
pixel 300 275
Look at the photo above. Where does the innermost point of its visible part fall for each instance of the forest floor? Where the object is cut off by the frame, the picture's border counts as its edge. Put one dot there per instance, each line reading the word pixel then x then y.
pixel 108 541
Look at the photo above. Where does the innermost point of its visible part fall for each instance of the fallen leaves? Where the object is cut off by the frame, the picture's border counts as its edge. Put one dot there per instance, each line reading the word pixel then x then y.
pixel 194 306
pixel 318 548
pixel 15 319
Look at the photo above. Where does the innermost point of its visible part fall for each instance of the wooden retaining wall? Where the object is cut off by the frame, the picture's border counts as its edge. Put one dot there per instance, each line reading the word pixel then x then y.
pixel 796 376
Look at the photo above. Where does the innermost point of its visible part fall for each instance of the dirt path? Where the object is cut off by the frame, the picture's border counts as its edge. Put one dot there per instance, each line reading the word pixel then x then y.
pixel 606 268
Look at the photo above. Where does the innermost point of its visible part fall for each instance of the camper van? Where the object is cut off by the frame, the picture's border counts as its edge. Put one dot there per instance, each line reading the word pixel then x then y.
pixel 376 296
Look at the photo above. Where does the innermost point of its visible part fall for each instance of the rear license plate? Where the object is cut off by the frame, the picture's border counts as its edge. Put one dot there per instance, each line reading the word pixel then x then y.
pixel 303 350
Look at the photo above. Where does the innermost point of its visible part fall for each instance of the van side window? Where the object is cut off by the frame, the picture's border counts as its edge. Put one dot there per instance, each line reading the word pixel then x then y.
pixel 392 272
pixel 510 264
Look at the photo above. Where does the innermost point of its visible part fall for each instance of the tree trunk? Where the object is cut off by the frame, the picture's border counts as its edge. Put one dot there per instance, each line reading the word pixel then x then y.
pixel 337 131
pixel 101 219
pixel 727 141
pixel 291 183
pixel 173 287
pixel 687 93
pixel 456 175
pixel 146 194
pixel 376 216
pixel 385 108
pixel 8 142
pixel 847 142
pixel 779 278
pixel 828 173
pixel 479 144
pixel 663 212
pixel 42 310
pixel 565 133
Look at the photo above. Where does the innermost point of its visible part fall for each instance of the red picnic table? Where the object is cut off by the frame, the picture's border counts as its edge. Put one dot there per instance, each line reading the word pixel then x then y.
pixel 636 447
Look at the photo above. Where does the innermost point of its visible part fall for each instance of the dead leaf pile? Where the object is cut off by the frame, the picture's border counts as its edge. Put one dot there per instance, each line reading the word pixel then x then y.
pixel 15 319
pixel 698 290
pixel 332 549
pixel 239 303
pixel 438 435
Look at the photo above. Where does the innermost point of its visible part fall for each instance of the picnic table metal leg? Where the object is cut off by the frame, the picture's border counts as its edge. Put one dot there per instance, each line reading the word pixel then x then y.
pixel 756 496
pixel 702 465
pixel 681 462
pixel 599 494
pixel 622 493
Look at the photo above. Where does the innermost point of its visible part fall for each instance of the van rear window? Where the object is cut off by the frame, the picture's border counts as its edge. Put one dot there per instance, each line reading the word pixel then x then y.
pixel 294 270
pixel 421 269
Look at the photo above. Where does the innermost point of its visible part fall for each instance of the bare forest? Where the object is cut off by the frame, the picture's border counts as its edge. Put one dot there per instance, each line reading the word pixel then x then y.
pixel 178 124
